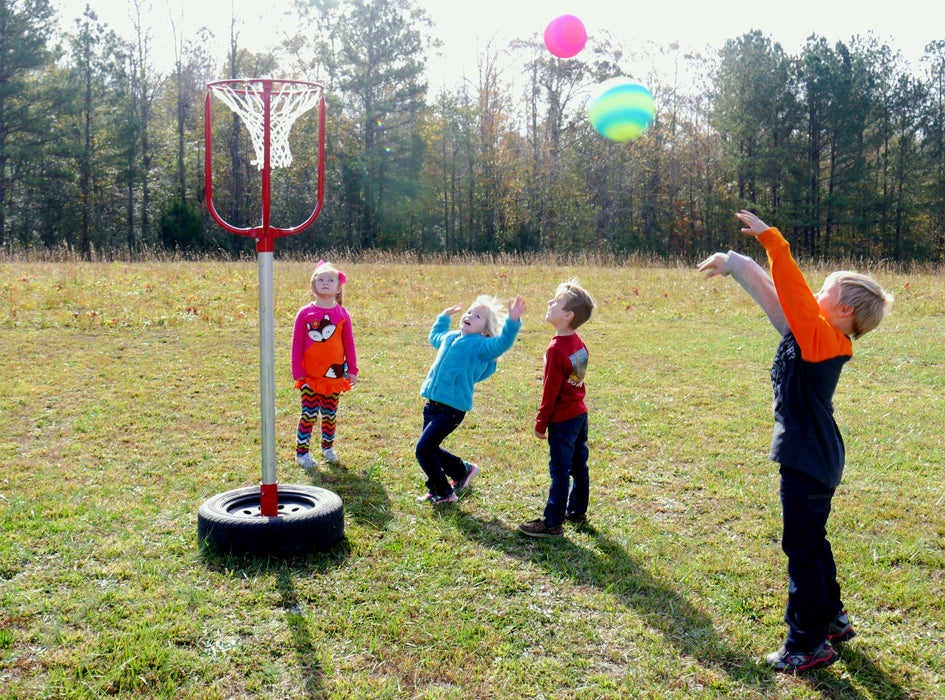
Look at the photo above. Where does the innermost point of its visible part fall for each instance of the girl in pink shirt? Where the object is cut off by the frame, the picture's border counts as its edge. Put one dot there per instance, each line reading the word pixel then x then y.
pixel 324 362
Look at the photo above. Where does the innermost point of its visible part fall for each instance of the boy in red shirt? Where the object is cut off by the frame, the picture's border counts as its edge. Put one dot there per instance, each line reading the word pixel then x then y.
pixel 562 413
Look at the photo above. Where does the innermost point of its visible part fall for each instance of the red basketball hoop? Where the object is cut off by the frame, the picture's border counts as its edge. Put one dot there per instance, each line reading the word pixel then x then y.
pixel 268 108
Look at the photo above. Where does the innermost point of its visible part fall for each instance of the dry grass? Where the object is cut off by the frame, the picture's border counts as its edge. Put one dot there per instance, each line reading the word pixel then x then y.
pixel 130 395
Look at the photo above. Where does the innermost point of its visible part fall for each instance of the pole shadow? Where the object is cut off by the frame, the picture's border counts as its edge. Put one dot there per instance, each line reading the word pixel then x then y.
pixel 306 655
pixel 285 572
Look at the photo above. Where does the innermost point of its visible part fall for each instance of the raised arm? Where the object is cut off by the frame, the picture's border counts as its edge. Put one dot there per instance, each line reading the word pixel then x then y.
pixel 753 279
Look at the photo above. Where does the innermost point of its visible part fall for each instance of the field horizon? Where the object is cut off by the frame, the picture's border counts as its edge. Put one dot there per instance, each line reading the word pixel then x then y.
pixel 130 395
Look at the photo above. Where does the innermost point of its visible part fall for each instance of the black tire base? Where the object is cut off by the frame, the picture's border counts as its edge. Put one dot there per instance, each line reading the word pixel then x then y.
pixel 310 519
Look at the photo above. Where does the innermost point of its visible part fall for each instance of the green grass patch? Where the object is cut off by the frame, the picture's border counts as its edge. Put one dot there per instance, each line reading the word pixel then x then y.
pixel 130 395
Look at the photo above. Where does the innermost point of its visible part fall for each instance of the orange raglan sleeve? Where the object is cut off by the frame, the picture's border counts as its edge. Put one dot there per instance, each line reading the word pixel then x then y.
pixel 817 338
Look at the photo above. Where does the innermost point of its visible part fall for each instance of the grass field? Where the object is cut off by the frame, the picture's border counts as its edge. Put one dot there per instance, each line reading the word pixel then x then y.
pixel 130 393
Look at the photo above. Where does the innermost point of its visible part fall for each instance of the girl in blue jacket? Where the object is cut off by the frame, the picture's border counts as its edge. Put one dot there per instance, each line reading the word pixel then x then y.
pixel 464 357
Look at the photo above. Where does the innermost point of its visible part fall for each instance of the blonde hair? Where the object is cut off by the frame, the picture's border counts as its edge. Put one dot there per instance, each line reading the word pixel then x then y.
pixel 870 303
pixel 576 300
pixel 495 314
pixel 324 267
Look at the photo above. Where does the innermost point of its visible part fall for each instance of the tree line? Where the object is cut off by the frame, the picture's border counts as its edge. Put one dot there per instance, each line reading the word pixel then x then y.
pixel 842 146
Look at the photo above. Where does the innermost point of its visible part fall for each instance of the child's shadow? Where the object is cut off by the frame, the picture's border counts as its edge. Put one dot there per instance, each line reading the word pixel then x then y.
pixel 864 672
pixel 364 497
pixel 608 567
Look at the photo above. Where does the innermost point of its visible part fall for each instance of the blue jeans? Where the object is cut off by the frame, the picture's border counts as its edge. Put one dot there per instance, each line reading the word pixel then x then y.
pixel 439 420
pixel 813 591
pixel 570 480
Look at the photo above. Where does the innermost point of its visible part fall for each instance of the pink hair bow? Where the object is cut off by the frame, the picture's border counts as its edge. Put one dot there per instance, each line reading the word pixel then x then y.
pixel 341 275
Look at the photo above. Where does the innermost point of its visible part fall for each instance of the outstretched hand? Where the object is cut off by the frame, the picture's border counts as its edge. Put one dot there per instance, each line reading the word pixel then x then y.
pixel 516 308
pixel 753 225
pixel 714 264
pixel 453 310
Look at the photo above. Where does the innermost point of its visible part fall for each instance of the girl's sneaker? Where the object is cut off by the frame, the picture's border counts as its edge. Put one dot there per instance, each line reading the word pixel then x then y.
pixel 437 500
pixel 785 661
pixel 330 456
pixel 305 460
pixel 472 471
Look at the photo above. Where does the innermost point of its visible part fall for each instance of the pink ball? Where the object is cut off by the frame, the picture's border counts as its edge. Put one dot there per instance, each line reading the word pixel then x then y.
pixel 565 36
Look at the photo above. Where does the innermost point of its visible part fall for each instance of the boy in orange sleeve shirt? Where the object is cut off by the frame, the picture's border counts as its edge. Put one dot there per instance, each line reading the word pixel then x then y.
pixel 816 342
pixel 562 413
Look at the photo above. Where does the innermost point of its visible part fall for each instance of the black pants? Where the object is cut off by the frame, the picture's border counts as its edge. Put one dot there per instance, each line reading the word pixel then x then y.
pixel 439 420
pixel 813 591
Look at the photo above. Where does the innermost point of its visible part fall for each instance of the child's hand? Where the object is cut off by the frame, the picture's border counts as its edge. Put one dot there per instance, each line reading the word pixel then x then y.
pixel 714 265
pixel 541 436
pixel 753 225
pixel 516 307
pixel 452 311
pixel 352 379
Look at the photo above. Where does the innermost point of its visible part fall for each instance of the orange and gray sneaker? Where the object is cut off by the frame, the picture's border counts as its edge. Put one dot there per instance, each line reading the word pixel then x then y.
pixel 841 629
pixel 785 661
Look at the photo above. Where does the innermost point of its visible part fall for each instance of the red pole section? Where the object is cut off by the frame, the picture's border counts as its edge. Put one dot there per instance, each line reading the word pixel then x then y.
pixel 266 241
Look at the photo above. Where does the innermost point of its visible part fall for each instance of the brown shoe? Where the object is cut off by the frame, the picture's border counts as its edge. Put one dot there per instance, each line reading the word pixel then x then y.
pixel 538 528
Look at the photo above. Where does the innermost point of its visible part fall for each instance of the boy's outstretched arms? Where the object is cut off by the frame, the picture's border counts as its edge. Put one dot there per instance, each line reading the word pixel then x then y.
pixel 749 274
pixel 516 308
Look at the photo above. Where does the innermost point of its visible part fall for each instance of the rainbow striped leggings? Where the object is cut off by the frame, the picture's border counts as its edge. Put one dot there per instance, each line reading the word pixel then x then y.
pixel 312 404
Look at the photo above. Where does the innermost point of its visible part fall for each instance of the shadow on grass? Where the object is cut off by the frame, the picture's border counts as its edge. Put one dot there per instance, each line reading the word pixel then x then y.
pixel 285 572
pixel 610 568
pixel 365 502
pixel 310 668
pixel 364 497
pixel 862 669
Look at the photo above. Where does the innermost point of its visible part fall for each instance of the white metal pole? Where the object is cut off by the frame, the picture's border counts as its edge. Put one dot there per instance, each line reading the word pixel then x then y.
pixel 267 370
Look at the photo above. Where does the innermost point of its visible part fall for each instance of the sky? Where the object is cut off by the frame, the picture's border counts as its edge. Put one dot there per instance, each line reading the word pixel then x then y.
pixel 465 28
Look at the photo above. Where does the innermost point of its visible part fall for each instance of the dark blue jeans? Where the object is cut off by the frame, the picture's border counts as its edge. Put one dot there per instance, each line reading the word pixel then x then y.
pixel 570 480
pixel 439 420
pixel 813 591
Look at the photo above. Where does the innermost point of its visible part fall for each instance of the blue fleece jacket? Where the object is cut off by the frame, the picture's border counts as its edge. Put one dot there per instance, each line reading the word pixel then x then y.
pixel 462 361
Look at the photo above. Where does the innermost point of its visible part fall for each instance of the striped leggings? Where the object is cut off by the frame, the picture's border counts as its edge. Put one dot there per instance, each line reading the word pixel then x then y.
pixel 312 403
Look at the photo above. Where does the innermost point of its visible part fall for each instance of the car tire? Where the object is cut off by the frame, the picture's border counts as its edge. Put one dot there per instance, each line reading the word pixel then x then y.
pixel 310 519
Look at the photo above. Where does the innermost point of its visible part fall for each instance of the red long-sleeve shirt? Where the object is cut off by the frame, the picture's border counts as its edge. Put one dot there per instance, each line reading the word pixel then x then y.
pixel 562 395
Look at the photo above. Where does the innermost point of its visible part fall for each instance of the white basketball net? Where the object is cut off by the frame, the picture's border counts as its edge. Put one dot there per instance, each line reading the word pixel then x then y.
pixel 285 107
